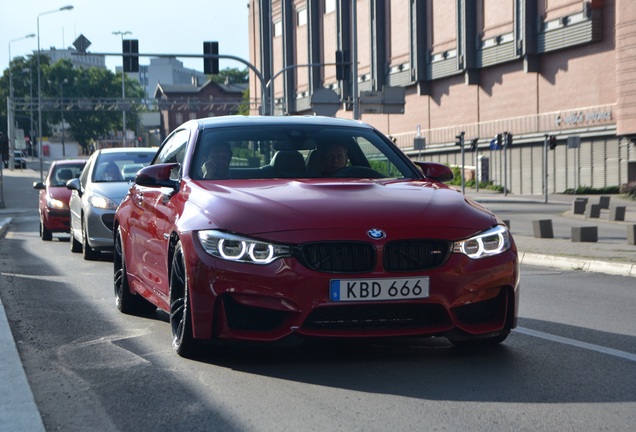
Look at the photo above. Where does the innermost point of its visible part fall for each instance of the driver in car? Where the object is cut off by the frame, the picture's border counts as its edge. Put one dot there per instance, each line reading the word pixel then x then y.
pixel 217 165
pixel 333 157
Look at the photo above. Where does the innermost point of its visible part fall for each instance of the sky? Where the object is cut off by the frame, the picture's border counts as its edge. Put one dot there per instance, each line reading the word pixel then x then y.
pixel 161 26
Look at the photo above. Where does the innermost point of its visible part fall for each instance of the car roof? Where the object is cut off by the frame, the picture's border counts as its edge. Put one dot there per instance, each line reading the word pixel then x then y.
pixel 277 120
pixel 127 150
pixel 69 162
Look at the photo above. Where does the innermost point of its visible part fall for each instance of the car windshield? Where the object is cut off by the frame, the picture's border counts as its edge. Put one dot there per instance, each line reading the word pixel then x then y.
pixel 63 173
pixel 296 151
pixel 120 167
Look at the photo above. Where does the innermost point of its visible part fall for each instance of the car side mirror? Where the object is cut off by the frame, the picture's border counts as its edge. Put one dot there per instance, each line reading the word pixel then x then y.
pixel 74 184
pixel 38 185
pixel 157 176
pixel 436 171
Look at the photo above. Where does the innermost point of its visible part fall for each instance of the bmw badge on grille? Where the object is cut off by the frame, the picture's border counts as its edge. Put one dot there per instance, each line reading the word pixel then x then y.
pixel 376 234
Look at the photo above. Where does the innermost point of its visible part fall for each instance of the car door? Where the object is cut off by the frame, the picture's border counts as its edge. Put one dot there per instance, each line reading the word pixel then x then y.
pixel 151 231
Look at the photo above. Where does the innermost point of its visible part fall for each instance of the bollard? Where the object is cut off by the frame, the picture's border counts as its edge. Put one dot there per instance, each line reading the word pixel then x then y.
pixel 585 234
pixel 594 211
pixel 578 206
pixel 631 234
pixel 604 201
pixel 617 213
pixel 542 228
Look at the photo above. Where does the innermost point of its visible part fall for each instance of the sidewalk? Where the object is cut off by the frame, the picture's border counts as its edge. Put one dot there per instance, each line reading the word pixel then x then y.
pixel 610 254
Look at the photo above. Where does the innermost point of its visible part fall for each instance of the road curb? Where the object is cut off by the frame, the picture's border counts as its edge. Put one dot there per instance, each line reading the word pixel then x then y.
pixel 580 264
pixel 4 226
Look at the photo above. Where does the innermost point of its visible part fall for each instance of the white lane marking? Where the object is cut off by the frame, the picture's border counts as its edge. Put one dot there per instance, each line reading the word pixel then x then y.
pixel 578 344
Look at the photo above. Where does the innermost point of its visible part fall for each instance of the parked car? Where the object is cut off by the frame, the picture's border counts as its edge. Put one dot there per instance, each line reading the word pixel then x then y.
pixel 96 195
pixel 19 161
pixel 55 216
pixel 275 247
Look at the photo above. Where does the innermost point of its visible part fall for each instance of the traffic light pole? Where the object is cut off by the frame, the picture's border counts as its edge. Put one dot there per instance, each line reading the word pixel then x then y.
pixel 545 168
pixel 264 94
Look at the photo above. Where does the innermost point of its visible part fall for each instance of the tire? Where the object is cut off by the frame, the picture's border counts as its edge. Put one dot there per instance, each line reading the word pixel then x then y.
pixel 90 254
pixel 76 247
pixel 45 234
pixel 125 301
pixel 180 319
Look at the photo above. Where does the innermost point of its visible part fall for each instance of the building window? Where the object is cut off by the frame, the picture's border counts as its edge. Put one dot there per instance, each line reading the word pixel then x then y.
pixel 178 118
pixel 330 6
pixel 278 28
pixel 301 17
pixel 193 115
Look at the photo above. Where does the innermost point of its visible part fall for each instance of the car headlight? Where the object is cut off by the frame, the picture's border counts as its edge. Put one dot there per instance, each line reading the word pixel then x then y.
pixel 99 201
pixel 53 203
pixel 241 249
pixel 491 242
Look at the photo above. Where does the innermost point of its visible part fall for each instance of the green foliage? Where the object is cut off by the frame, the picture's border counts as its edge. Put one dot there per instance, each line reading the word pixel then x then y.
pixel 61 79
pixel 587 190
pixel 231 76
pixel 628 190
pixel 457 181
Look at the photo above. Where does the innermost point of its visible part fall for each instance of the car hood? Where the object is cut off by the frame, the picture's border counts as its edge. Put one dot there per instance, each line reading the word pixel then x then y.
pixel 411 208
pixel 59 193
pixel 115 191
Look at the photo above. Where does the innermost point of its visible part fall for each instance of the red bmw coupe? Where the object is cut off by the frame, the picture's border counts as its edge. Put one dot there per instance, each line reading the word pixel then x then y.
pixel 260 229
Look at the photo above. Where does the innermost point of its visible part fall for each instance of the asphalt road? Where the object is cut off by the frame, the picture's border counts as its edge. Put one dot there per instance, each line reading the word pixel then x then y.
pixel 570 366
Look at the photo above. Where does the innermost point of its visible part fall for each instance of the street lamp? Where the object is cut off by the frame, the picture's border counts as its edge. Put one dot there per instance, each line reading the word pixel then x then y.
pixel 10 125
pixel 123 89
pixel 63 8
pixel 62 84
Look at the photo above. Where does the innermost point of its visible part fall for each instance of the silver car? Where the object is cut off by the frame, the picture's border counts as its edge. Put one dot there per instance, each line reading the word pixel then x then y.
pixel 97 194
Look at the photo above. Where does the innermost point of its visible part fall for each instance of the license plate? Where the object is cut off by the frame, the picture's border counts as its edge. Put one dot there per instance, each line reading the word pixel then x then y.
pixel 378 289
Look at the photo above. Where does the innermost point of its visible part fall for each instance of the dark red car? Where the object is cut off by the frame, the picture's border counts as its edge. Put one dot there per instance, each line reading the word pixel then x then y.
pixel 277 247
pixel 54 197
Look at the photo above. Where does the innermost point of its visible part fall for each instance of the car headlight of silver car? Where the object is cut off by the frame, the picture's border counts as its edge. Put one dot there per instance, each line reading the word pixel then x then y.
pixel 101 202
pixel 231 247
pixel 488 243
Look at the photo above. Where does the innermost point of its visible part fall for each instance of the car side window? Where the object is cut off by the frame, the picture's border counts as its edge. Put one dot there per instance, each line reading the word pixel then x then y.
pixel 173 150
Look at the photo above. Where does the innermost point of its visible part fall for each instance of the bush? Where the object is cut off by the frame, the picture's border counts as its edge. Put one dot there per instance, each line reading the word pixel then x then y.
pixel 587 190
pixel 629 190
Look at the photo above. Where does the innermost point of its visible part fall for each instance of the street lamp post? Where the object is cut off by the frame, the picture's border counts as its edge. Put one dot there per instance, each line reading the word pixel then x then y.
pixel 63 8
pixel 10 123
pixel 123 88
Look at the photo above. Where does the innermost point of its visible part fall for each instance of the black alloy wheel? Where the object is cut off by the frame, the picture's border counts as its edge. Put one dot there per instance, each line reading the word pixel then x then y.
pixel 180 319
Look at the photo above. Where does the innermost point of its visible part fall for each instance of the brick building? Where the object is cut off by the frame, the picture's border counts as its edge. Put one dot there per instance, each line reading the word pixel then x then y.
pixel 530 68
pixel 180 103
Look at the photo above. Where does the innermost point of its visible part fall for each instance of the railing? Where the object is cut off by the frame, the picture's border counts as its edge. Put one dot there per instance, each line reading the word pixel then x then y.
pixel 527 125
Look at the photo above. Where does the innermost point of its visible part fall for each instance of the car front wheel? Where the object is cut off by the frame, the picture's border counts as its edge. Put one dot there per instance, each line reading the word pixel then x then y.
pixel 45 234
pixel 180 319
pixel 76 246
pixel 90 254
pixel 126 301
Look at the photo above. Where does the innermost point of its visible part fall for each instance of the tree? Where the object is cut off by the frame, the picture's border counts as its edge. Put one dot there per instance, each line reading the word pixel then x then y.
pixel 231 76
pixel 93 83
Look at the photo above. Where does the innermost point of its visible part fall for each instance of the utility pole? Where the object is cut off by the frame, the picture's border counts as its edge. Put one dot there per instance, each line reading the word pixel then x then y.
pixel 123 89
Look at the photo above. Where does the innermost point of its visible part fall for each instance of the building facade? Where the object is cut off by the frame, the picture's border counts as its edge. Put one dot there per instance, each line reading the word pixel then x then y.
pixel 180 103
pixel 532 69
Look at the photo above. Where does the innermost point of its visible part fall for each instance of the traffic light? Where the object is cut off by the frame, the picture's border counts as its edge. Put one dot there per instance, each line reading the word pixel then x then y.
pixel 473 144
pixel 343 68
pixel 130 57
pixel 508 139
pixel 499 138
pixel 459 140
pixel 211 64
pixel 553 142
